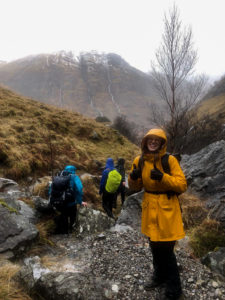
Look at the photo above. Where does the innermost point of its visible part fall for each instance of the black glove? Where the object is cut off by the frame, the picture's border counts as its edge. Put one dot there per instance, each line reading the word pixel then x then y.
pixel 156 174
pixel 136 173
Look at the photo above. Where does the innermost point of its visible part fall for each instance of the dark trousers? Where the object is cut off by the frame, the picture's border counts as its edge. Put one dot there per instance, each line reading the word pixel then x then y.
pixel 107 202
pixel 66 219
pixel 165 267
pixel 122 193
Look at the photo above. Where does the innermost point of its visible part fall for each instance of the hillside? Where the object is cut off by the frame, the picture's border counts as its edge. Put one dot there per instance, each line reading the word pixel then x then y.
pixel 92 84
pixel 213 103
pixel 214 107
pixel 218 88
pixel 36 138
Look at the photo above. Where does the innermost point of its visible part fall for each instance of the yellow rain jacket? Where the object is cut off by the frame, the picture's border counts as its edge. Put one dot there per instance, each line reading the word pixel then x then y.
pixel 161 215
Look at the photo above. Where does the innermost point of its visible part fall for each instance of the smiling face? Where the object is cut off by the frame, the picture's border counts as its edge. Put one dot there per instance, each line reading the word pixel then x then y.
pixel 154 143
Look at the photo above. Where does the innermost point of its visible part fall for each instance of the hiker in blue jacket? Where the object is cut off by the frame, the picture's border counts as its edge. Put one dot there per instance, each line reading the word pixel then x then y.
pixel 107 198
pixel 64 223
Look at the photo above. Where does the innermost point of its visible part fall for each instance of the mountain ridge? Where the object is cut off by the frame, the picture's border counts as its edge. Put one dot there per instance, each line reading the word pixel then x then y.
pixel 93 84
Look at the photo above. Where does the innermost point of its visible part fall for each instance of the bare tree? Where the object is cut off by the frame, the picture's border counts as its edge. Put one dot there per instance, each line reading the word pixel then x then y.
pixel 172 74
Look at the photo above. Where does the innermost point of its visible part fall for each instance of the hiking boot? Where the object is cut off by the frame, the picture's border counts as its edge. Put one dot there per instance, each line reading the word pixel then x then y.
pixel 152 284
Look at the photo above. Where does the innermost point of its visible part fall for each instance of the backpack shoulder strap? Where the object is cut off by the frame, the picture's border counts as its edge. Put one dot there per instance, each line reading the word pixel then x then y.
pixel 141 162
pixel 165 163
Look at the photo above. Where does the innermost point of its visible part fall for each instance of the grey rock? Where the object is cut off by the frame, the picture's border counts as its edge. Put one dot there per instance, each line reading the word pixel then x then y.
pixel 16 231
pixel 131 212
pixel 8 185
pixel 215 261
pixel 42 205
pixel 205 173
pixel 92 221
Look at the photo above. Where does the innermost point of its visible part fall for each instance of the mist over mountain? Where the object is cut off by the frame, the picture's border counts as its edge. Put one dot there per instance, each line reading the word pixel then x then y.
pixel 92 84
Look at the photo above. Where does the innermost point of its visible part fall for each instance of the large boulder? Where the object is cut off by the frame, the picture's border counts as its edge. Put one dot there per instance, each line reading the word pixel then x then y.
pixel 66 285
pixel 17 230
pixel 205 173
pixel 131 212
pixel 215 261
pixel 8 185
pixel 91 221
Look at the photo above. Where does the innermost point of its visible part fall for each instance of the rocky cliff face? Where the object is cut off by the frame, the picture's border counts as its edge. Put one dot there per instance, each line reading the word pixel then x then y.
pixel 92 84
pixel 205 172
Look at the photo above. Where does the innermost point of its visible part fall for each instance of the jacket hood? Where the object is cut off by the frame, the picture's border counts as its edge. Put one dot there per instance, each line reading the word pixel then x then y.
pixel 109 163
pixel 70 169
pixel 155 132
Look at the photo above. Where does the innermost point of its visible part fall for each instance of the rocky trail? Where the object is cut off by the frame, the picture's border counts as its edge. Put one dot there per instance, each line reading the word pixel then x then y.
pixel 114 265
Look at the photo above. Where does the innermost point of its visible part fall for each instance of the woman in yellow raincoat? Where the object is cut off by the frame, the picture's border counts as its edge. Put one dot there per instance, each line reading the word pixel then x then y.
pixel 161 214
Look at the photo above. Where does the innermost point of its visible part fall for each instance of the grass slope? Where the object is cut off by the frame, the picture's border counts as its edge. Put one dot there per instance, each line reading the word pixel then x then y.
pixel 214 107
pixel 36 138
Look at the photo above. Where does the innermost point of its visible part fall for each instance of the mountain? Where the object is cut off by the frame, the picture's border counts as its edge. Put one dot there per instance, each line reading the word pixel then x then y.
pixel 36 139
pixel 92 84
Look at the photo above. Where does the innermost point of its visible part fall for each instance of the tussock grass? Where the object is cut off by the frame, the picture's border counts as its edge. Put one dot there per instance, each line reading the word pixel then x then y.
pixel 36 138
pixel 193 210
pixel 9 288
pixel 204 234
pixel 45 228
pixel 28 201
pixel 41 188
pixel 213 106
pixel 207 237
pixel 91 189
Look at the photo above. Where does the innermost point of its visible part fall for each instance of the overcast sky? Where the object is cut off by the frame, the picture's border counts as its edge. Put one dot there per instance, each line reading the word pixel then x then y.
pixel 130 28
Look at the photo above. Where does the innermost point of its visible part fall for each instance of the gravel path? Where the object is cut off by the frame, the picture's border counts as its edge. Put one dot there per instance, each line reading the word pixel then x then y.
pixel 123 261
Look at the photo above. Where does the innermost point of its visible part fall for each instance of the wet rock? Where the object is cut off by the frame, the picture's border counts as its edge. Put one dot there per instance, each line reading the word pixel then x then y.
pixel 42 205
pixel 17 232
pixel 215 261
pixel 92 221
pixel 205 173
pixel 8 185
pixel 131 212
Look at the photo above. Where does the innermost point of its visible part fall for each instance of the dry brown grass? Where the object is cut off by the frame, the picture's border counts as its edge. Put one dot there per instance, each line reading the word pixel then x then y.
pixel 208 236
pixel 45 228
pixel 213 106
pixel 193 210
pixel 31 132
pixel 41 188
pixel 204 234
pixel 9 288
pixel 28 201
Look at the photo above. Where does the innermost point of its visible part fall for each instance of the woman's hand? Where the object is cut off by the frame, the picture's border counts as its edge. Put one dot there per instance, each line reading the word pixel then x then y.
pixel 156 174
pixel 136 173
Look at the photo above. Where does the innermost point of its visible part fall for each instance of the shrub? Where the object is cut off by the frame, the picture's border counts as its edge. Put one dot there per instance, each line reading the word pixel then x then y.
pixel 193 215
pixel 102 119
pixel 126 128
pixel 202 133
pixel 206 237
